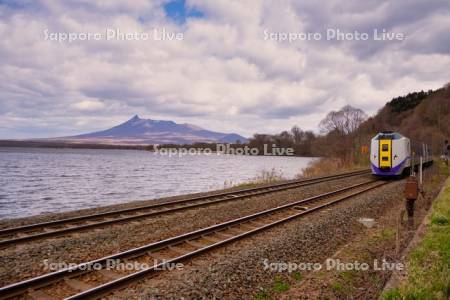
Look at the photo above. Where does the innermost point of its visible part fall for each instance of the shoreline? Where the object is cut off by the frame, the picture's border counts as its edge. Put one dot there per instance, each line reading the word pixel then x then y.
pixel 128 204
pixel 144 147
pixel 65 145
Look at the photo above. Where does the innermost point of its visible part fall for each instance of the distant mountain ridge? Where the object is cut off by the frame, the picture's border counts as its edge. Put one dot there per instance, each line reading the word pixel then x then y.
pixel 147 131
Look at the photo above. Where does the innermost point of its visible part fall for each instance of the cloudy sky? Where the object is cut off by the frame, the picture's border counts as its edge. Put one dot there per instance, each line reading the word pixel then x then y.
pixel 228 69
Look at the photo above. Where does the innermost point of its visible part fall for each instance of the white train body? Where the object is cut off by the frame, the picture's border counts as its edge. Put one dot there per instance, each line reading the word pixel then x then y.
pixel 392 154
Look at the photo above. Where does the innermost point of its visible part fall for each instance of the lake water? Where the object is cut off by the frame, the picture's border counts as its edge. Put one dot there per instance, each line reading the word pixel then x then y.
pixel 34 181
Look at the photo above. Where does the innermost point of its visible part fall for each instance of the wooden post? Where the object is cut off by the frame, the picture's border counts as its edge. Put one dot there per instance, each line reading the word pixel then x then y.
pixel 411 194
pixel 420 171
pixel 398 233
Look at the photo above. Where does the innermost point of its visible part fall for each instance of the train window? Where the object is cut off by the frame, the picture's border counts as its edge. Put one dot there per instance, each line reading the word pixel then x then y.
pixel 388 136
pixel 384 158
pixel 384 147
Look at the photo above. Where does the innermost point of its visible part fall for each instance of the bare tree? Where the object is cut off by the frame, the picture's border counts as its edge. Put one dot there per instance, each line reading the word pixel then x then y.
pixel 297 134
pixel 344 121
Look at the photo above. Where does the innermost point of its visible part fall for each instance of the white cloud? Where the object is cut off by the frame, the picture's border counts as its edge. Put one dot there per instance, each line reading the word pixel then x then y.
pixel 88 105
pixel 223 75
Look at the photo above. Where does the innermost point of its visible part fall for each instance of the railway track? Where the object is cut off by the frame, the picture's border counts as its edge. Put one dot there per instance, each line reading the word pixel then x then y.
pixel 94 279
pixel 26 233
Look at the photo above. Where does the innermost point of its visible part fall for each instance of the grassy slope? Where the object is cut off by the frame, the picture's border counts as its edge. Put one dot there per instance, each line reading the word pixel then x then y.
pixel 429 262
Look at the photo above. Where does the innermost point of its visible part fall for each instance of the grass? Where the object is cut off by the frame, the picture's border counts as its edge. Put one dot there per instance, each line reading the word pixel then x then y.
pixel 429 263
pixel 327 166
pixel 278 286
pixel 265 177
pixel 443 168
pixel 342 285
pixel 348 276
pixel 297 276
pixel 281 286
pixel 263 295
pixel 439 220
pixel 337 287
pixel 386 234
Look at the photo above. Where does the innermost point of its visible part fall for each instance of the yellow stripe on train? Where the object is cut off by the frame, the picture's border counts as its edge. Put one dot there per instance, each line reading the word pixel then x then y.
pixel 385 153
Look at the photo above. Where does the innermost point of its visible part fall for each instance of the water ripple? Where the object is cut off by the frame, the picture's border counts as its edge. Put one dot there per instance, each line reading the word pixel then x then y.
pixel 34 181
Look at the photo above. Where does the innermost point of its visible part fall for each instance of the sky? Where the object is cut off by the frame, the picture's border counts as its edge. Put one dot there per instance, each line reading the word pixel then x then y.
pixel 221 64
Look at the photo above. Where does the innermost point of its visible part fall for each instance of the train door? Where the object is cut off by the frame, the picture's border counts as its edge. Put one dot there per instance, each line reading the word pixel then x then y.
pixel 385 154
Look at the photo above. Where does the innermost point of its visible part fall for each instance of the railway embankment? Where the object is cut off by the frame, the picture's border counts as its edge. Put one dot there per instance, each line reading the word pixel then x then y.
pixel 256 268
pixel 27 260
pixel 316 255
pixel 427 275
pixel 381 249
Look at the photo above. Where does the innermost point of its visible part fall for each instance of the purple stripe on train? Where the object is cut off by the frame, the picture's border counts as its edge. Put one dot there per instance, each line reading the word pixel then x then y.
pixel 397 170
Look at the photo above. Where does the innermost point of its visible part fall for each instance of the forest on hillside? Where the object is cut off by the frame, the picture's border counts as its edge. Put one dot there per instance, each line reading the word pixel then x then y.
pixel 422 116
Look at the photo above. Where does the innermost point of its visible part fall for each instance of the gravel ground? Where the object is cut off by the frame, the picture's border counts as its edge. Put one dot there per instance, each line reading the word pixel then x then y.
pixel 376 243
pixel 25 261
pixel 237 270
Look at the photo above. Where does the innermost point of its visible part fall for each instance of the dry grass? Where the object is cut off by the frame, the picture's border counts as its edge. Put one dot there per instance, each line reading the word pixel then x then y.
pixel 327 166
pixel 265 177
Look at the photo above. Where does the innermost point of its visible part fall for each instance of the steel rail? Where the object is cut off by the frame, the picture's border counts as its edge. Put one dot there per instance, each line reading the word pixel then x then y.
pixel 78 270
pixel 110 287
pixel 208 200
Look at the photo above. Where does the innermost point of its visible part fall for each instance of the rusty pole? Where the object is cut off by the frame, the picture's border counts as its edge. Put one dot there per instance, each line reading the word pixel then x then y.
pixel 411 194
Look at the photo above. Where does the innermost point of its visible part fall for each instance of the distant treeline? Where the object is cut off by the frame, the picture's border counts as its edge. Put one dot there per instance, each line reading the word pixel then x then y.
pixel 337 137
pixel 410 101
pixel 338 129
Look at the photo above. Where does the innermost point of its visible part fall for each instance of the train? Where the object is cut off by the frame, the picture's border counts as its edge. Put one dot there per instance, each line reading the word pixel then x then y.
pixel 392 154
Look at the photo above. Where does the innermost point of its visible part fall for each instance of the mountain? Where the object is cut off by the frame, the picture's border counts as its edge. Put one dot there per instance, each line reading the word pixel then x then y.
pixel 146 131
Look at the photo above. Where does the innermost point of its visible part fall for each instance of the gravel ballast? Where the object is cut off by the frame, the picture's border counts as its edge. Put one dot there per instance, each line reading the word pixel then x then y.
pixel 237 271
pixel 27 260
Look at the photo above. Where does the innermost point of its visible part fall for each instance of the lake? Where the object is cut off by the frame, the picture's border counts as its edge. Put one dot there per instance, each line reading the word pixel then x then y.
pixel 38 180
